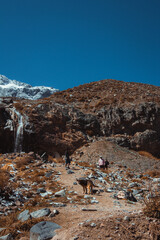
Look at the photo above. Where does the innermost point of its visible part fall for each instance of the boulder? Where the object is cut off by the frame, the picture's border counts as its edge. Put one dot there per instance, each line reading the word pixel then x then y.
pixel 126 195
pixel 43 230
pixel 41 213
pixel 24 216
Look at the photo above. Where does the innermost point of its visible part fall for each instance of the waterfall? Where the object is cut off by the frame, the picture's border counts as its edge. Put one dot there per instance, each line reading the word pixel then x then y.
pixel 19 133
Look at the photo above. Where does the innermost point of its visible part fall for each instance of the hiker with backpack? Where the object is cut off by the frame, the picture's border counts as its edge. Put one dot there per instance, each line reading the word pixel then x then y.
pixel 101 163
pixel 67 160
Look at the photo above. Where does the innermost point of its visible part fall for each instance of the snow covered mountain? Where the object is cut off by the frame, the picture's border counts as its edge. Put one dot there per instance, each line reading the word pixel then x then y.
pixel 13 88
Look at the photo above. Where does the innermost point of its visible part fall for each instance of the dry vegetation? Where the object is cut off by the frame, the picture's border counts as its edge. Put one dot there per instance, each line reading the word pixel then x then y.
pixel 17 228
pixel 95 95
pixel 107 92
pixel 21 162
pixel 152 206
pixel 147 154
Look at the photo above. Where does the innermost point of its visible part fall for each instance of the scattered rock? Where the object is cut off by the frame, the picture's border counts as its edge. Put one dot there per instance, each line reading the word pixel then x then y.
pixel 93 225
pixel 61 193
pixel 59 204
pixel 24 216
pixel 43 230
pixel 7 237
pixel 41 190
pixel 70 171
pixel 41 213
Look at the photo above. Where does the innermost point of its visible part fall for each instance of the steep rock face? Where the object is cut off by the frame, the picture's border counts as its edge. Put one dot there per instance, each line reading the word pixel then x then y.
pixel 136 127
pixel 52 128
pixel 59 128
pixel 6 129
pixel 67 120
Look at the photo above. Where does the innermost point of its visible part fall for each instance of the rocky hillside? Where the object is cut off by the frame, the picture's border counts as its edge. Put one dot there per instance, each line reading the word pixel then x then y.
pixel 125 113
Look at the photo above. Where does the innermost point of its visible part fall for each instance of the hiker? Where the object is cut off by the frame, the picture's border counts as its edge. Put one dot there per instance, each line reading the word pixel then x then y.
pixel 67 159
pixel 106 164
pixel 101 163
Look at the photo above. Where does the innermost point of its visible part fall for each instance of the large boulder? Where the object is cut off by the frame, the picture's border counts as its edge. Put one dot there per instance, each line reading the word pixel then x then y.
pixel 43 230
pixel 41 213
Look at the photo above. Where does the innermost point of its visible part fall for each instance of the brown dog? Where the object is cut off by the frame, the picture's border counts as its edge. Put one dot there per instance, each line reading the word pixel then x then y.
pixel 87 185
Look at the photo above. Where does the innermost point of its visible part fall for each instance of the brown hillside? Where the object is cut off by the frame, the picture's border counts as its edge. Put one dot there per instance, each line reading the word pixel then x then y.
pixel 93 96
pixel 125 113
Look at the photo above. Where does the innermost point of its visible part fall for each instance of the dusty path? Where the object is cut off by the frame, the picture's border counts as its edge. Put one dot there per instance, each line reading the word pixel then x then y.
pixel 71 216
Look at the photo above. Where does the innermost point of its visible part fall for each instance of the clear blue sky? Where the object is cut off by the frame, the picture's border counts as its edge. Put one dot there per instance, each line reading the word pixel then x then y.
pixel 65 43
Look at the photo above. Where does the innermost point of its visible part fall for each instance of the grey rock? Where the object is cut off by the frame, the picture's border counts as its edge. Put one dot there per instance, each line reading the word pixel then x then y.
pixel 70 171
pixel 75 183
pixel 94 201
pixel 41 213
pixel 110 189
pixel 61 193
pixel 43 230
pixel 134 184
pixel 156 180
pixel 88 197
pixel 24 216
pixel 48 174
pixel 93 225
pixel 126 218
pixel 7 237
pixel 54 213
pixel 59 204
pixel 41 190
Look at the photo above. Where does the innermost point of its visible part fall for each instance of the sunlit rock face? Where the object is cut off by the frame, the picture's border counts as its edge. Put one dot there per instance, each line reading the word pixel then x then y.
pixel 125 113
pixel 13 88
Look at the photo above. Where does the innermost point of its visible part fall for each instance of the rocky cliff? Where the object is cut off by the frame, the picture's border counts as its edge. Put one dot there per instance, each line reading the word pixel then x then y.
pixel 125 113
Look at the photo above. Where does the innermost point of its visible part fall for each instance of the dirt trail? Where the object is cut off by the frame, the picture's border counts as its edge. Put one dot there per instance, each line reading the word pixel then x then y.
pixel 71 216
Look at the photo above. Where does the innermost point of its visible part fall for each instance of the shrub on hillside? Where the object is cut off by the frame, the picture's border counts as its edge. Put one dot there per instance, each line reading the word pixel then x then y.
pixel 147 154
pixel 23 161
pixel 5 185
pixel 4 177
pixel 152 205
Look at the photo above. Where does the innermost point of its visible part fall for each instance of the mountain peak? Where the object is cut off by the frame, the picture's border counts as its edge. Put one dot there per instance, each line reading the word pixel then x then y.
pixel 13 88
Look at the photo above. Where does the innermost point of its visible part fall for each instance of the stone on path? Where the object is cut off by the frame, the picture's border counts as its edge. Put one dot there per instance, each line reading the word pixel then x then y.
pixel 43 230
pixel 41 213
pixel 7 237
pixel 24 216
pixel 61 193
pixel 70 171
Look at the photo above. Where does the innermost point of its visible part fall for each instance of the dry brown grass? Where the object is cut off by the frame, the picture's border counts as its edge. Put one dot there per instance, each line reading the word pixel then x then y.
pixel 152 206
pixel 37 201
pixel 15 227
pixel 4 179
pixel 137 180
pixel 147 154
pixel 23 161
pixel 58 160
pixel 154 173
pixel 129 174
pixel 86 164
pixel 18 106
